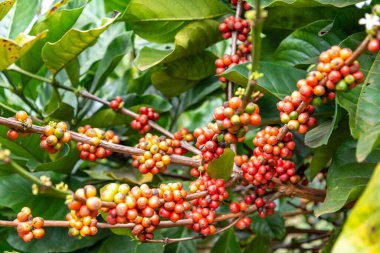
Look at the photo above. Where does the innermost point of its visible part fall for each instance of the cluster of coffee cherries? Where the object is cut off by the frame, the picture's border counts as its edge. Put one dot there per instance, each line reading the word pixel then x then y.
pixel 117 103
pixel 92 151
pixel 182 134
pixel 141 121
pixel 136 205
pixel 286 171
pixel 84 208
pixel 256 171
pixel 23 117
pixel 156 156
pixel 296 121
pixel 54 137
pixel 233 123
pixel 227 61
pixel 332 75
pixel 196 172
pixel 203 210
pixel 244 49
pixel 246 5
pixel 269 147
pixel 236 207
pixel 232 24
pixel 208 143
pixel 263 209
pixel 174 204
pixel 29 227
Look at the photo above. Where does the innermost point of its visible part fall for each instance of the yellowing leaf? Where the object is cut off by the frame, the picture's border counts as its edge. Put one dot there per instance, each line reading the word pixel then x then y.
pixel 12 50
pixel 5 6
pixel 361 233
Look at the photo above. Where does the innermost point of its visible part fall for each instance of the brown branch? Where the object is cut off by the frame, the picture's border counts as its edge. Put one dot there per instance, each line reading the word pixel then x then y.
pixel 176 159
pixel 153 124
pixel 292 190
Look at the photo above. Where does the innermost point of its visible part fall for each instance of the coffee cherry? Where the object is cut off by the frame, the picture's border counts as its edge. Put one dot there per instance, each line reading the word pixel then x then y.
pixel 374 45
pixel 21 116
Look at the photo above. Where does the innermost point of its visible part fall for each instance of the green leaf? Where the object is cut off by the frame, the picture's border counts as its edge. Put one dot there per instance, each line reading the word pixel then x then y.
pixel 271 226
pixel 323 154
pixel 53 240
pixel 57 109
pixel 227 243
pixel 64 162
pixel 122 244
pixel 363 103
pixel 180 247
pixel 25 11
pixel 24 147
pixel 66 18
pixel 367 142
pixel 5 6
pixel 260 244
pixel 160 20
pixel 116 50
pixel 361 230
pixel 307 43
pixel 184 73
pixel 346 178
pixel 320 135
pixel 118 5
pixel 279 85
pixel 11 51
pixel 14 185
pixel 308 3
pixel 58 54
pixel 222 166
pixel 191 39
pixel 198 116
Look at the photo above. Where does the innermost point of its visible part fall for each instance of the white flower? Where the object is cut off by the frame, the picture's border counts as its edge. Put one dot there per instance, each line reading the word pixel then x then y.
pixel 370 21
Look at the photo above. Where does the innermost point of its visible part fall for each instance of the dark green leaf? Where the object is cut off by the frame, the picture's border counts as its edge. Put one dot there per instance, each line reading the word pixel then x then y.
pixel 260 244
pixel 184 73
pixel 278 80
pixel 14 185
pixel 363 104
pixel 122 244
pixel 193 38
pixel 180 247
pixel 320 135
pixel 271 226
pixel 55 240
pixel 368 141
pixel 307 43
pixel 115 52
pixel 160 20
pixel 346 178
pixel 323 154
pixel 222 166
pixel 227 243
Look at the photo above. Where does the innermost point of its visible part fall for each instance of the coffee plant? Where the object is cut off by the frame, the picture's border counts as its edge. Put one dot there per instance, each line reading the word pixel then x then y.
pixel 186 126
